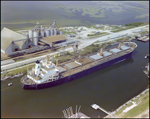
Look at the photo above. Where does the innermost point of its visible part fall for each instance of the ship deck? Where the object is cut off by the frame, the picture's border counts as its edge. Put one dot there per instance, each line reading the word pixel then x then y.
pixel 88 62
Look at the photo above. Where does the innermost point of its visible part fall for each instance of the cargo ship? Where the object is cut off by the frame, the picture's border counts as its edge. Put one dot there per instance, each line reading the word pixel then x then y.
pixel 47 74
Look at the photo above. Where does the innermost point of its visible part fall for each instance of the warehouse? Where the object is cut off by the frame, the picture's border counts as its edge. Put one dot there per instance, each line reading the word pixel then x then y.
pixel 12 41
pixel 51 40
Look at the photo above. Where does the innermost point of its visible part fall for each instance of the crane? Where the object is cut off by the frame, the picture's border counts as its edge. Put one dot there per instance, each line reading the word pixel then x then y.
pixel 27 70
pixel 56 63
pixel 46 59
pixel 119 46
pixel 103 47
pixel 75 48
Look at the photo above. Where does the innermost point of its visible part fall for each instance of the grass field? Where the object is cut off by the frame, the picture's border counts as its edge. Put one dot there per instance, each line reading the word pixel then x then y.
pixel 142 106
pixel 16 71
pixel 102 33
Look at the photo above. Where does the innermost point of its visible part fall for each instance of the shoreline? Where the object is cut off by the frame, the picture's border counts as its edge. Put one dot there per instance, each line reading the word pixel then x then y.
pixel 11 77
pixel 128 108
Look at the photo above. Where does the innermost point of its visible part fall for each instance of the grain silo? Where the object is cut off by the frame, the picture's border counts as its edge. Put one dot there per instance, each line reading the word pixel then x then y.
pixel 36 35
pixel 31 34
pixel 55 32
pixel 52 32
pixel 42 33
pixel 47 33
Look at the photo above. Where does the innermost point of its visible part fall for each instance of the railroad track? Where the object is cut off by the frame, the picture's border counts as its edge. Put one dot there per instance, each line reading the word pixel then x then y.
pixel 29 55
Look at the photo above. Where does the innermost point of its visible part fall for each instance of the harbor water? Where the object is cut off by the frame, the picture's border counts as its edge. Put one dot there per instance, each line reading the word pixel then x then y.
pixel 109 88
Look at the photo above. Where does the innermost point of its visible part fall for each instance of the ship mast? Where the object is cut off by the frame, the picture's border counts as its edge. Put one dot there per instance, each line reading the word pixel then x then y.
pixel 103 47
pixel 47 59
pixel 27 70
pixel 119 46
pixel 56 62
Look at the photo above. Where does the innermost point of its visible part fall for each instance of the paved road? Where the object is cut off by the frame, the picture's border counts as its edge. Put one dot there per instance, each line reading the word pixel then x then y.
pixel 84 43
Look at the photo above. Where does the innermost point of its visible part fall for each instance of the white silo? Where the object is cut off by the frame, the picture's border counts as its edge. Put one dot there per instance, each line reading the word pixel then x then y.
pixel 47 33
pixel 31 34
pixel 55 32
pixel 42 33
pixel 36 35
pixel 52 32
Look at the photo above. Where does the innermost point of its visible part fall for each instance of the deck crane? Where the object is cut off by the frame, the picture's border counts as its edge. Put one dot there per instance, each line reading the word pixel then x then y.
pixel 103 47
pixel 56 63
pixel 119 46
pixel 75 48
pixel 27 70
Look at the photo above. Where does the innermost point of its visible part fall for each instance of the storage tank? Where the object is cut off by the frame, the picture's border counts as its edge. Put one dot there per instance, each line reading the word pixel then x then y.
pixel 55 32
pixel 47 33
pixel 36 34
pixel 42 33
pixel 61 32
pixel 52 32
pixel 31 34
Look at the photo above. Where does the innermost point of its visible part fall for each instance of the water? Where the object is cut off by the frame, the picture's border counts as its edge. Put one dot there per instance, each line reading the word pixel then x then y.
pixel 110 88
pixel 17 15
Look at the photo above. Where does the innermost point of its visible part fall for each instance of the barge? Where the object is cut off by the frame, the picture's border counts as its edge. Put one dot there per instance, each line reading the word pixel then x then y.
pixel 47 74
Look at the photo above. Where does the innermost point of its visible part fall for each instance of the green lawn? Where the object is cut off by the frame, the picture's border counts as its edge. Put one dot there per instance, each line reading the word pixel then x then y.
pixel 97 34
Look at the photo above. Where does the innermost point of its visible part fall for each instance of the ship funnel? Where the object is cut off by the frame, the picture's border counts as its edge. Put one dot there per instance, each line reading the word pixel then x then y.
pixel 37 77
pixel 37 68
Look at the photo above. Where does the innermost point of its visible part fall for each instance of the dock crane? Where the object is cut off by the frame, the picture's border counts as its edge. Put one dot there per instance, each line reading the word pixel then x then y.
pixel 75 48
pixel 119 46
pixel 103 47
pixel 56 63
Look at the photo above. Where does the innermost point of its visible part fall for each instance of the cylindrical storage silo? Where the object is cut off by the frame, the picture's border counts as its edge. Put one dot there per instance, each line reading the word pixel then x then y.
pixel 55 32
pixel 31 34
pixel 61 32
pixel 47 33
pixel 42 32
pixel 52 32
pixel 36 35
pixel 58 32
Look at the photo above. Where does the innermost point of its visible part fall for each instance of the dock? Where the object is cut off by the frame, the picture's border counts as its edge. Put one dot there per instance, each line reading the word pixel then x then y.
pixel 79 115
pixel 143 39
pixel 95 106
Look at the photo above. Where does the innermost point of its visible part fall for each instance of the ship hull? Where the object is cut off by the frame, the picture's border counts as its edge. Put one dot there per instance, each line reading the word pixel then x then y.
pixel 77 75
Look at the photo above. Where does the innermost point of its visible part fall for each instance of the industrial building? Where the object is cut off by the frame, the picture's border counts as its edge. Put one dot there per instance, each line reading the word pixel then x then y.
pixel 13 42
pixel 51 40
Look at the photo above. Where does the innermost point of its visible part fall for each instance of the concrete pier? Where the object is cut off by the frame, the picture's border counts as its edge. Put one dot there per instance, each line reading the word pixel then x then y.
pixel 143 39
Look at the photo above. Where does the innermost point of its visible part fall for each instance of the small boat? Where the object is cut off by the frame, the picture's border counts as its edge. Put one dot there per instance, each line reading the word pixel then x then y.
pixel 147 56
pixel 95 106
pixel 10 84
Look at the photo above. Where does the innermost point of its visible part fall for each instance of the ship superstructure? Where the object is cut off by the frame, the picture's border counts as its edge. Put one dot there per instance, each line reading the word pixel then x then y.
pixel 43 71
pixel 50 75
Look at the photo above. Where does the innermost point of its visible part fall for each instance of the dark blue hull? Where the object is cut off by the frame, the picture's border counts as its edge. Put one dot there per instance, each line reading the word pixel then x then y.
pixel 77 75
